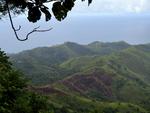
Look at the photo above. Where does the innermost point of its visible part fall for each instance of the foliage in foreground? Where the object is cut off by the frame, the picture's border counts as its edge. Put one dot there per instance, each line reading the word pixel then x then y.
pixel 14 97
pixel 101 71
pixel 36 8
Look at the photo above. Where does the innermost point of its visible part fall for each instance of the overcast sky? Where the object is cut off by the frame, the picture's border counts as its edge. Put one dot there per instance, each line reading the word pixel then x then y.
pixel 114 6
pixel 103 20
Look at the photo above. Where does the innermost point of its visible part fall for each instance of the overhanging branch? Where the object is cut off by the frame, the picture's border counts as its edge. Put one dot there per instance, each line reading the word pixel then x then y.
pixel 15 30
pixel 37 30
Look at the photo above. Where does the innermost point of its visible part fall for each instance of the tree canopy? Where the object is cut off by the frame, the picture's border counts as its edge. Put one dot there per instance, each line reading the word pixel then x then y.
pixel 35 9
pixel 15 97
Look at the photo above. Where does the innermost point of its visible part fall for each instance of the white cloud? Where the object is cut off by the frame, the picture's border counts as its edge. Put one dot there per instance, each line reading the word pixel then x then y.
pixel 113 6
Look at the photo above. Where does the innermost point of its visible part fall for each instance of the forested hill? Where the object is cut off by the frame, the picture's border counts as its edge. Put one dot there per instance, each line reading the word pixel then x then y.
pixel 45 61
pixel 106 72
pixel 46 64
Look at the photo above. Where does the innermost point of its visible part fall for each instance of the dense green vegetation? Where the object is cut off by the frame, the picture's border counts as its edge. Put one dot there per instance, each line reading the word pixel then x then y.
pixel 45 61
pixel 14 94
pixel 94 78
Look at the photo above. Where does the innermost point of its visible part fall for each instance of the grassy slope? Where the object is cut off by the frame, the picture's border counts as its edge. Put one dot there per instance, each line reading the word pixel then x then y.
pixel 105 72
pixel 126 70
pixel 73 104
pixel 41 64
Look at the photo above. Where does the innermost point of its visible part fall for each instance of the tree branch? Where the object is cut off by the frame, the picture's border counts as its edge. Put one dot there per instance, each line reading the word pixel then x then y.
pixel 15 30
pixel 36 30
pixel 12 25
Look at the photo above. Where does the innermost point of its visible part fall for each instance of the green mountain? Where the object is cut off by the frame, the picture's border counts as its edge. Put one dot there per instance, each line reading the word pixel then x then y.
pixel 121 76
pixel 94 73
pixel 43 61
pixel 41 64
pixel 107 48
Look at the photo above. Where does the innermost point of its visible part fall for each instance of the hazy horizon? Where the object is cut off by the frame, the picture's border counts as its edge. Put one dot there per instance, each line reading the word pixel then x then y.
pixel 73 42
pixel 105 21
pixel 80 29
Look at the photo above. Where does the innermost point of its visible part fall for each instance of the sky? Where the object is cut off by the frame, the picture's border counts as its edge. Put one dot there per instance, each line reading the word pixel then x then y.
pixel 103 20
pixel 114 6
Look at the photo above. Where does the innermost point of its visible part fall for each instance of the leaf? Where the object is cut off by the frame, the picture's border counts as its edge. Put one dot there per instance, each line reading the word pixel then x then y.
pixel 59 11
pixel 46 12
pixel 68 4
pixel 89 2
pixel 34 14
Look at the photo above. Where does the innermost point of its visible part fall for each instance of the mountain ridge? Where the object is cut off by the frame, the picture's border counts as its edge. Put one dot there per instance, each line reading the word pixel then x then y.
pixel 97 71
